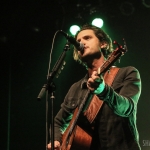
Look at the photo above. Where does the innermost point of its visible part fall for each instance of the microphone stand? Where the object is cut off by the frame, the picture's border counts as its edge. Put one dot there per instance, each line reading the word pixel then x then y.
pixel 49 88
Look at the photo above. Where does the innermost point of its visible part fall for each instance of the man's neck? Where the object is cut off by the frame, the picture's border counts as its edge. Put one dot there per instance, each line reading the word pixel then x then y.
pixel 95 64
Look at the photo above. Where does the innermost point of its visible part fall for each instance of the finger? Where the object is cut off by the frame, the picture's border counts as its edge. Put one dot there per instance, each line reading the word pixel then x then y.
pixel 56 146
pixel 99 71
pixel 48 146
pixel 94 74
pixel 95 79
pixel 92 85
pixel 91 80
pixel 90 88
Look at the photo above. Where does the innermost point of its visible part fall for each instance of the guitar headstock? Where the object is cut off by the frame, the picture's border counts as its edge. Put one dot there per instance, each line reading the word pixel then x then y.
pixel 114 56
pixel 121 48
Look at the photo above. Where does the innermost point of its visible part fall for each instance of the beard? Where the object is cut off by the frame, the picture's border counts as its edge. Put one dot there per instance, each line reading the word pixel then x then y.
pixel 90 57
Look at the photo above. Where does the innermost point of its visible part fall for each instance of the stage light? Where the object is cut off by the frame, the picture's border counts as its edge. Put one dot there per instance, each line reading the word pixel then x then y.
pixel 73 29
pixel 98 22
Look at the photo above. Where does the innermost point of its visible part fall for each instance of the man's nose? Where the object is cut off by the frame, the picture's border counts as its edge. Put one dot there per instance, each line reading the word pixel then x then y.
pixel 83 42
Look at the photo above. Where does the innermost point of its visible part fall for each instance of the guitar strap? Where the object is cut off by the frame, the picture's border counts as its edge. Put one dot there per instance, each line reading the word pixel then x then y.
pixel 96 104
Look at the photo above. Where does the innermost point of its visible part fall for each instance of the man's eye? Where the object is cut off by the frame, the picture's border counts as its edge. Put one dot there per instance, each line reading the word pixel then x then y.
pixel 87 38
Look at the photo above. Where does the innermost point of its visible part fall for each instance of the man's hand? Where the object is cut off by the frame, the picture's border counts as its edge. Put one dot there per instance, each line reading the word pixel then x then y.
pixel 56 145
pixel 96 83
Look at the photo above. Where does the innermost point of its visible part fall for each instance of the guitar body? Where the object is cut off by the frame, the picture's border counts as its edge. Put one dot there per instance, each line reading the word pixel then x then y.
pixel 78 139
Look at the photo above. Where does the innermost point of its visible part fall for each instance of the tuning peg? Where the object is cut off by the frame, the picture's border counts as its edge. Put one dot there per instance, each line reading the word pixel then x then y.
pixel 125 45
pixel 119 46
pixel 64 63
pixel 57 75
pixel 59 71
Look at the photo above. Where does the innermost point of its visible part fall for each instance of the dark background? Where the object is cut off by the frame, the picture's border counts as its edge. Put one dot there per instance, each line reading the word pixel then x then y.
pixel 26 32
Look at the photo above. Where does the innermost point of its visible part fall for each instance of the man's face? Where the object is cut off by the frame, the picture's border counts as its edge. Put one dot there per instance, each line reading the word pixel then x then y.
pixel 92 45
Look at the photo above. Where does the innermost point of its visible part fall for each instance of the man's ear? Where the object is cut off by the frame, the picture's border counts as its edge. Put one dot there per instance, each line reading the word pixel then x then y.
pixel 104 45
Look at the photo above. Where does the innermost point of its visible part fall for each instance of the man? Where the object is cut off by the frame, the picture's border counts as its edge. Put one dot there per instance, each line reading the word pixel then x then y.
pixel 115 124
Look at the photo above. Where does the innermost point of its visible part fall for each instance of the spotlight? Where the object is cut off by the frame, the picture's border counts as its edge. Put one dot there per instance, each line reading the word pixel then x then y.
pixel 73 29
pixel 98 22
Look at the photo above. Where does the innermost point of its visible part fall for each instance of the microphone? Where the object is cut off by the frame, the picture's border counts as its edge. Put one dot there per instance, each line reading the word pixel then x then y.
pixel 79 46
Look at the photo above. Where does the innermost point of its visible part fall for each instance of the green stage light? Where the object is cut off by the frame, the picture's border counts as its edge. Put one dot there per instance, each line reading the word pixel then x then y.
pixel 73 29
pixel 98 22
